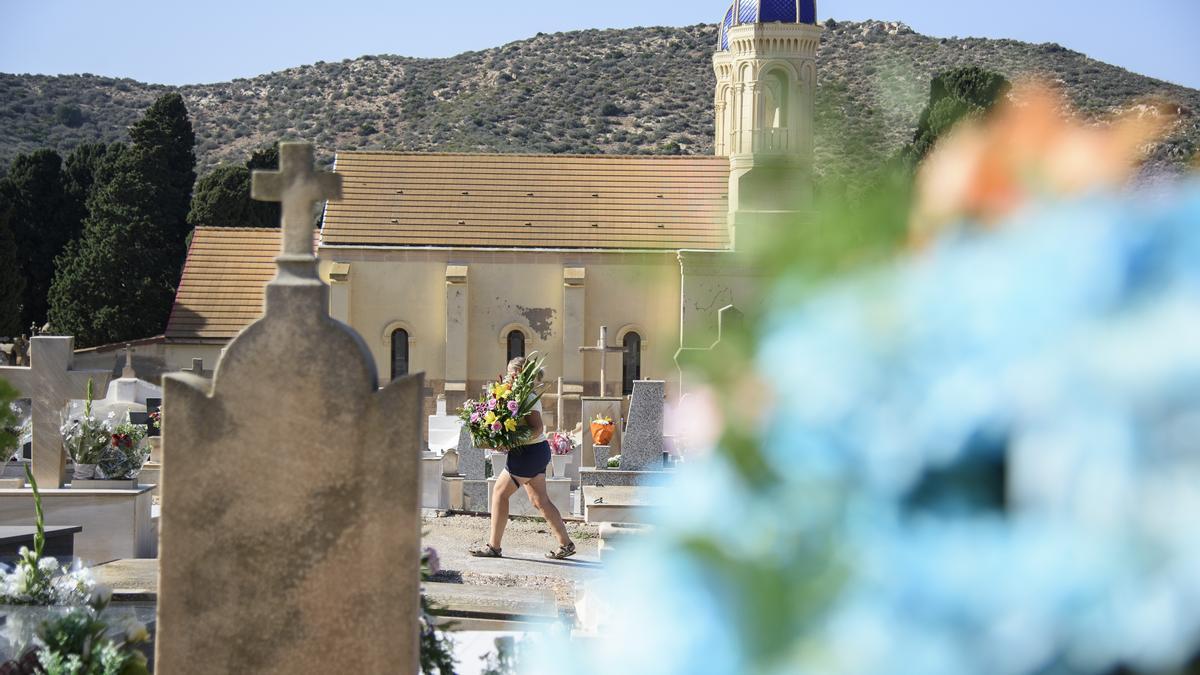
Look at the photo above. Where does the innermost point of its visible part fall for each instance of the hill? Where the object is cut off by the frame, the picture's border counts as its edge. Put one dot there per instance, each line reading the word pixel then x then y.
pixel 637 90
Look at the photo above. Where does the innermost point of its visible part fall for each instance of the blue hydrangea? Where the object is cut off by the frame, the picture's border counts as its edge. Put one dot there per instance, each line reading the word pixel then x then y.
pixel 988 460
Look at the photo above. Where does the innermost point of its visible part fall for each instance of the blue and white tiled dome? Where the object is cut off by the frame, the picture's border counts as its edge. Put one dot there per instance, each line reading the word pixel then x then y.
pixel 767 11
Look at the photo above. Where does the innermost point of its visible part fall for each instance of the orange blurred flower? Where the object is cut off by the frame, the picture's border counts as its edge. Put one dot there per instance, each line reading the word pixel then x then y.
pixel 1030 146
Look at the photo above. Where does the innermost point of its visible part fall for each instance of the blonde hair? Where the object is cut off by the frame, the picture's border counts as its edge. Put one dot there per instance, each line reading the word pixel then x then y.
pixel 515 366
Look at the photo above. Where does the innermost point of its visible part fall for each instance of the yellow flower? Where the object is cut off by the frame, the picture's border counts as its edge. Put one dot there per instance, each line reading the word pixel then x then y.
pixel 489 417
pixel 501 390
pixel 510 424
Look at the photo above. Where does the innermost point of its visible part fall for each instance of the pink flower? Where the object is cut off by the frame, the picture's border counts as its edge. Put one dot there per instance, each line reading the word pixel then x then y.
pixel 496 426
pixel 492 403
pixel 475 417
pixel 513 407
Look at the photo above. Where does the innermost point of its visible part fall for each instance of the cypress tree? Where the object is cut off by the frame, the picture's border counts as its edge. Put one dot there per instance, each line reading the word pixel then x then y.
pixel 954 96
pixel 41 225
pixel 222 196
pixel 12 284
pixel 165 143
pixel 117 282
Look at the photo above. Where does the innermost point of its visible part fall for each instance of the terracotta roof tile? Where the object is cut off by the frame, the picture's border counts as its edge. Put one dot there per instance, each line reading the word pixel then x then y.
pixel 535 201
pixel 221 291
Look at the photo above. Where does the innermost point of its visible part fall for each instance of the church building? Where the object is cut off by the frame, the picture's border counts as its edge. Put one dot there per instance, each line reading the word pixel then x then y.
pixel 451 264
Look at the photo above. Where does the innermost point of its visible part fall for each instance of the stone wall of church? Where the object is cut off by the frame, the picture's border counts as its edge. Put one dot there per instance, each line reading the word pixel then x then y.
pixel 458 307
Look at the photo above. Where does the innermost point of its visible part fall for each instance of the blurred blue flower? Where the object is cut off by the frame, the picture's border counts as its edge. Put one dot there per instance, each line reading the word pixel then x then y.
pixel 988 461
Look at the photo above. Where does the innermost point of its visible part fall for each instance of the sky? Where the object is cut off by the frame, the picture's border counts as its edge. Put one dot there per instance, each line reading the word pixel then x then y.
pixel 193 42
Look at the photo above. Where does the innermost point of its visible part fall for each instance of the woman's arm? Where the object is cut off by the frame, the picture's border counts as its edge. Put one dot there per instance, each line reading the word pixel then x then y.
pixel 534 421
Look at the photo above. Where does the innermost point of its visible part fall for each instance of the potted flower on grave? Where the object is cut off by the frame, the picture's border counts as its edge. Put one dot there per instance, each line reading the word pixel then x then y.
pixel 561 448
pixel 86 438
pixel 614 462
pixel 602 429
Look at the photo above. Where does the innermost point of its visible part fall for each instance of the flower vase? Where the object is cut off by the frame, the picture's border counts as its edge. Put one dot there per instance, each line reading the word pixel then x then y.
pixel 559 462
pixel 499 462
pixel 84 472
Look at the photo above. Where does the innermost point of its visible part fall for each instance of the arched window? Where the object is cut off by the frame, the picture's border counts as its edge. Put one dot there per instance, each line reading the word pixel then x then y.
pixel 631 362
pixel 399 353
pixel 516 344
pixel 775 90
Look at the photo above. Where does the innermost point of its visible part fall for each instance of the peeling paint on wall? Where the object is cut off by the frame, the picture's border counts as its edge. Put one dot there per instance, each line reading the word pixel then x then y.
pixel 541 320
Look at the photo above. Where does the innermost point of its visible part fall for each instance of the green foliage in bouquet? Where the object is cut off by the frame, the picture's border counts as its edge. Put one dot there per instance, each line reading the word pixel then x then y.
pixel 77 644
pixel 8 417
pixel 497 418
pixel 87 438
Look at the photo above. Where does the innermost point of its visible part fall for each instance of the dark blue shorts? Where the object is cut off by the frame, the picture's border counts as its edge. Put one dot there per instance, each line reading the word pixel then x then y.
pixel 528 461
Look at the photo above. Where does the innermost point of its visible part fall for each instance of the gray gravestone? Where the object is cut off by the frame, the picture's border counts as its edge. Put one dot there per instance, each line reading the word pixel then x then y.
pixel 642 447
pixel 50 383
pixel 290 529
pixel 470 458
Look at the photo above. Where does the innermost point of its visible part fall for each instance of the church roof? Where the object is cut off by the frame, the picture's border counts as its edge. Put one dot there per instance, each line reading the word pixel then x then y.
pixel 221 291
pixel 766 11
pixel 530 201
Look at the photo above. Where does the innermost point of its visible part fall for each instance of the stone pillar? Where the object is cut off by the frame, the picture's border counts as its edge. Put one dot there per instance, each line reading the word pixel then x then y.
pixel 457 310
pixel 339 292
pixel 574 327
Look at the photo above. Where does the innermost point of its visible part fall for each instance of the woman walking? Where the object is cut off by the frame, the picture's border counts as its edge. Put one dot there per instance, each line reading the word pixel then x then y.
pixel 526 467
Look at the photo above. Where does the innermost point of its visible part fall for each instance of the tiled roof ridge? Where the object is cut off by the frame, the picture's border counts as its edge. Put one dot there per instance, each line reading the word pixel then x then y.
pixel 411 153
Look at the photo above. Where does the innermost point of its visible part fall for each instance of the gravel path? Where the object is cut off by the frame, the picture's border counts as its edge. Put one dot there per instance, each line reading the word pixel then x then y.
pixel 526 541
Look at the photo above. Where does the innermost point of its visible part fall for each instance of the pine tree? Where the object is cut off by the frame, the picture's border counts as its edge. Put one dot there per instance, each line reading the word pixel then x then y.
pixel 79 171
pixel 41 223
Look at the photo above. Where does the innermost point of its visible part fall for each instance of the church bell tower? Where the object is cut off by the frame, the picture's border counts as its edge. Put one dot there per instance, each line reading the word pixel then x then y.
pixel 766 67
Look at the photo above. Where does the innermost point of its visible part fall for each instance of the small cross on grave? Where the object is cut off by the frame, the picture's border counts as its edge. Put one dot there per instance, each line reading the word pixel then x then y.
pixel 127 372
pixel 604 349
pixel 297 187
pixel 50 383
pixel 197 368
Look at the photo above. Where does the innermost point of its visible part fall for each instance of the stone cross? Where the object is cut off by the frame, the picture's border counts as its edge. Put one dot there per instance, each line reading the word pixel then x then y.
pixel 604 349
pixel 313 565
pixel 298 187
pixel 197 368
pixel 50 383
pixel 127 372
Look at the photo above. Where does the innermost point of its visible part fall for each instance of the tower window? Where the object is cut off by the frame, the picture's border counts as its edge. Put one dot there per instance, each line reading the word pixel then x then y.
pixel 399 353
pixel 516 344
pixel 631 362
pixel 775 91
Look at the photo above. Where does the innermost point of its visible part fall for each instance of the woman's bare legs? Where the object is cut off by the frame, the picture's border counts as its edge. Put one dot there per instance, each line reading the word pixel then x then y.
pixel 506 486
pixel 540 499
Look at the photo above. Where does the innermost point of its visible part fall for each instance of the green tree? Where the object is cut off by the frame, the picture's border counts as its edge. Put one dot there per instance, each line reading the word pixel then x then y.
pixel 955 95
pixel 12 284
pixel 222 197
pixel 166 147
pixel 40 222
pixel 117 282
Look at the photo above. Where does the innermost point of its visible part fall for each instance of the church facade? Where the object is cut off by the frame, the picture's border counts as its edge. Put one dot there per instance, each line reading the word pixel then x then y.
pixel 451 264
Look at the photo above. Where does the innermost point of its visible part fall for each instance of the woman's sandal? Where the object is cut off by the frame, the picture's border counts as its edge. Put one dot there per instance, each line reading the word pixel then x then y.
pixel 485 551
pixel 563 552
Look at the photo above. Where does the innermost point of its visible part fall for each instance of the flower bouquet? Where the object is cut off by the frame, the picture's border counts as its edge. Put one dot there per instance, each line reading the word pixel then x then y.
pixel 497 418
pixel 86 439
pixel 602 429
pixel 561 448
pixel 126 453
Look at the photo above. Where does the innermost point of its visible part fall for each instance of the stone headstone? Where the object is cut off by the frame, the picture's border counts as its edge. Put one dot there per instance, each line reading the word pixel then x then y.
pixel 49 382
pixel 290 528
pixel 470 458
pixel 642 447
